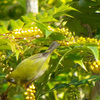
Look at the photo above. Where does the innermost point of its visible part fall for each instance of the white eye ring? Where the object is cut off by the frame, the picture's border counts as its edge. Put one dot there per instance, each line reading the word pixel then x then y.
pixel 12 80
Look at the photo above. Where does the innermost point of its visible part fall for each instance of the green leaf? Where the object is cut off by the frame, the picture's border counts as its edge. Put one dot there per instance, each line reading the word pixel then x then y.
pixel 74 25
pixel 20 23
pixel 77 57
pixel 49 18
pixel 31 16
pixel 80 62
pixel 3 41
pixel 26 19
pixel 12 45
pixel 2 75
pixel 95 51
pixel 57 36
pixel 62 14
pixel 5 47
pixel 1 32
pixel 14 25
pixel 4 29
pixel 45 17
pixel 64 7
pixel 17 52
pixel 76 82
pixel 47 32
pixel 43 28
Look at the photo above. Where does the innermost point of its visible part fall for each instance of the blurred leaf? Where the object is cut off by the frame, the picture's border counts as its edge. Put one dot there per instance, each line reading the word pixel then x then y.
pixel 4 44
pixel 57 86
pixel 26 19
pixel 3 29
pixel 2 75
pixel 14 25
pixel 95 51
pixel 64 7
pixel 20 23
pixel 5 47
pixel 57 36
pixel 17 52
pixel 1 32
pixel 97 36
pixel 74 25
pixel 49 18
pixel 76 82
pixel 3 41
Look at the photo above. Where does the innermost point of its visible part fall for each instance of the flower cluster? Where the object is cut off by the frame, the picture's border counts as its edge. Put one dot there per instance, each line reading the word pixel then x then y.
pixel 95 66
pixel 36 32
pixel 6 68
pixel 63 31
pixel 73 93
pixel 31 32
pixel 30 92
pixel 79 40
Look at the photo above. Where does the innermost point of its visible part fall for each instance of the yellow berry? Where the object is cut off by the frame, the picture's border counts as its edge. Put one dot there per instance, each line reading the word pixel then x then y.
pixel 25 93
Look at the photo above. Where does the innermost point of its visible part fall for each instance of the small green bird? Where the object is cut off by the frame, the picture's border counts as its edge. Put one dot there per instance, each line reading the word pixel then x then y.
pixel 32 67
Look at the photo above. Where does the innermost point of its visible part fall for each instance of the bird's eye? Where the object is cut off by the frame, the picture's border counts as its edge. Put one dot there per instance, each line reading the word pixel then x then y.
pixel 12 80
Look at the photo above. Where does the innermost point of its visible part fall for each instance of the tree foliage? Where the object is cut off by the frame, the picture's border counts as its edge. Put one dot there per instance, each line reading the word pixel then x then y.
pixel 74 66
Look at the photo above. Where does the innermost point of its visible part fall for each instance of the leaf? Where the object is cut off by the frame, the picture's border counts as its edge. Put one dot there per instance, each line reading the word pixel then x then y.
pixel 31 16
pixel 60 11
pixel 43 28
pixel 62 14
pixel 77 57
pixel 14 25
pixel 80 62
pixel 47 32
pixel 95 51
pixel 5 47
pixel 74 25
pixel 17 52
pixel 57 86
pixel 4 29
pixel 64 7
pixel 1 32
pixel 28 25
pixel 57 36
pixel 20 23
pixel 3 41
pixel 49 18
pixel 76 82
pixel 12 45
pixel 26 19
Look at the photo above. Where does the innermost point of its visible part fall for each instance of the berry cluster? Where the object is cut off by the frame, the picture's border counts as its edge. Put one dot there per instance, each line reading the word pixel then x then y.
pixel 31 32
pixel 73 93
pixel 30 92
pixel 95 66
pixel 79 40
pixel 63 31
pixel 6 68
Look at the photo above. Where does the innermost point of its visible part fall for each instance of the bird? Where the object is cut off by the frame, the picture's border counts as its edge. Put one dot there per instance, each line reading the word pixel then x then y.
pixel 32 67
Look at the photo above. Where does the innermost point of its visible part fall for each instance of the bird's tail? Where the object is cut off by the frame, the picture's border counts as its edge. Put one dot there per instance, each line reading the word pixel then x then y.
pixel 52 47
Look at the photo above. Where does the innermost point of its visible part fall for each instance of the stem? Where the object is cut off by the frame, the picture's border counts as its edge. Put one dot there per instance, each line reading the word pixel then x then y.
pixel 3 96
